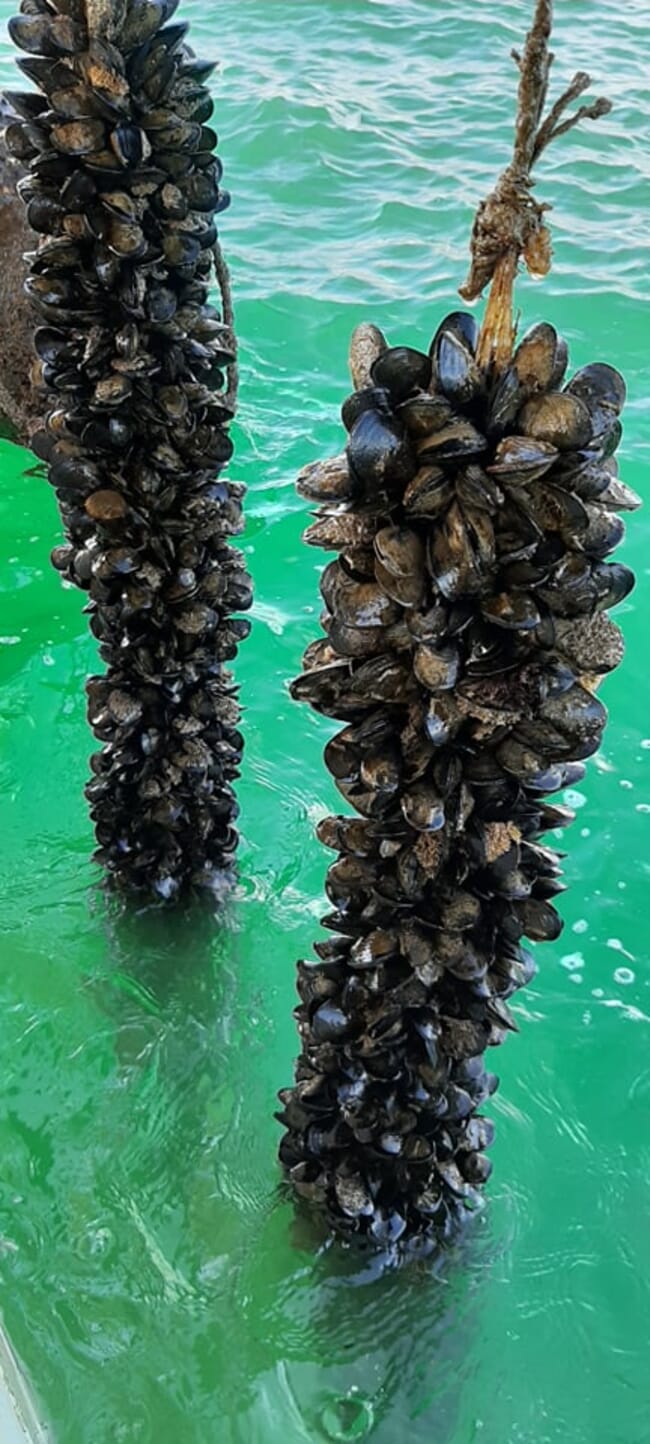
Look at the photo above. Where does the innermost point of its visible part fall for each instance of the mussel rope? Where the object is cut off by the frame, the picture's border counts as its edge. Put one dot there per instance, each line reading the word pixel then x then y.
pixel 509 225
pixel 104 19
pixel 223 281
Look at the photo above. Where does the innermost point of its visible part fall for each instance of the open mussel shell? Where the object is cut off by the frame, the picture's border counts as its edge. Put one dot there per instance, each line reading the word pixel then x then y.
pixel 619 497
pixel 428 494
pixel 407 590
pixel 25 103
pixel 341 531
pixel 521 459
pixel 423 809
pixel 461 551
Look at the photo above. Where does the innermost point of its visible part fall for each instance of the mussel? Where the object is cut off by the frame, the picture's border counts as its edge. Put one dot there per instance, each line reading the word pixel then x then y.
pixel 466 629
pixel 122 187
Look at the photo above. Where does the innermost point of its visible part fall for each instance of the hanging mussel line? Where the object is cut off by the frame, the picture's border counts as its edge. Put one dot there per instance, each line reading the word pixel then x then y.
pixel 465 630
pixel 123 188
pixel 509 225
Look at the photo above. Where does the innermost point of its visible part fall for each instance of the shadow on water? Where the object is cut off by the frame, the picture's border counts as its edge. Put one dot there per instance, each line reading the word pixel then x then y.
pixel 307 1340
pixel 342 1351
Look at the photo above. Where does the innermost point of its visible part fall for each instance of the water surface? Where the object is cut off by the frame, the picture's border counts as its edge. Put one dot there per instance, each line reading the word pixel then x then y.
pixel 153 1282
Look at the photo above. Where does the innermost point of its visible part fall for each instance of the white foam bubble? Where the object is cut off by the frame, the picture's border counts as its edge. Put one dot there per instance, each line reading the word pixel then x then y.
pixel 571 961
pixel 624 976
pixel 616 945
pixel 580 926
pixel 573 798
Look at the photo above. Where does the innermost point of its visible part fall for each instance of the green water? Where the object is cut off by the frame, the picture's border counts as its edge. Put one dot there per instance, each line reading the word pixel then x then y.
pixel 153 1284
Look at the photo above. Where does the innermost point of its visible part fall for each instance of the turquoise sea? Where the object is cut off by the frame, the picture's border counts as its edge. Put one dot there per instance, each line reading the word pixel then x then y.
pixel 154 1285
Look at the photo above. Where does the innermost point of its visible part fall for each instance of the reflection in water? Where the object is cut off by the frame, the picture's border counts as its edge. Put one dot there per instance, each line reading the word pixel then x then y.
pixel 306 1340
pixel 349 1351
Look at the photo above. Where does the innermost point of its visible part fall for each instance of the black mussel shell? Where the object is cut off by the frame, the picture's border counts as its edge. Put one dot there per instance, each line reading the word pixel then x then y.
pixel 461 324
pixel 372 398
pixel 597 383
pixel 401 370
pixel 380 453
pixel 457 373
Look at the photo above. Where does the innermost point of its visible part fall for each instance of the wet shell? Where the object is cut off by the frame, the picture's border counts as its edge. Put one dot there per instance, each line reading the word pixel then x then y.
pixel 399 550
pixel 425 413
pixel 324 481
pixel 537 365
pixel 134 435
pixel 437 670
pixel 366 346
pixel 457 373
pixel 519 459
pixel 457 440
pixel 428 494
pixel 379 454
pixel 364 604
pixel 400 370
pixel 466 706
pixel 560 419
pixel 423 809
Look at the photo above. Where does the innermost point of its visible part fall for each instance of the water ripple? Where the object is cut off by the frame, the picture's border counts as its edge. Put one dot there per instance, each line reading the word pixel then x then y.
pixel 155 1281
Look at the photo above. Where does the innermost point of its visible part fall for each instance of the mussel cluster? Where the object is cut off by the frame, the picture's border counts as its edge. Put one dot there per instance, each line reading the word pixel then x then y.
pixel 123 187
pixel 465 631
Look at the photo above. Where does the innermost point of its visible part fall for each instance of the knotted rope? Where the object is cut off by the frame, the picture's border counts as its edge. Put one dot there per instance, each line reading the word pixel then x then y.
pixel 509 225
